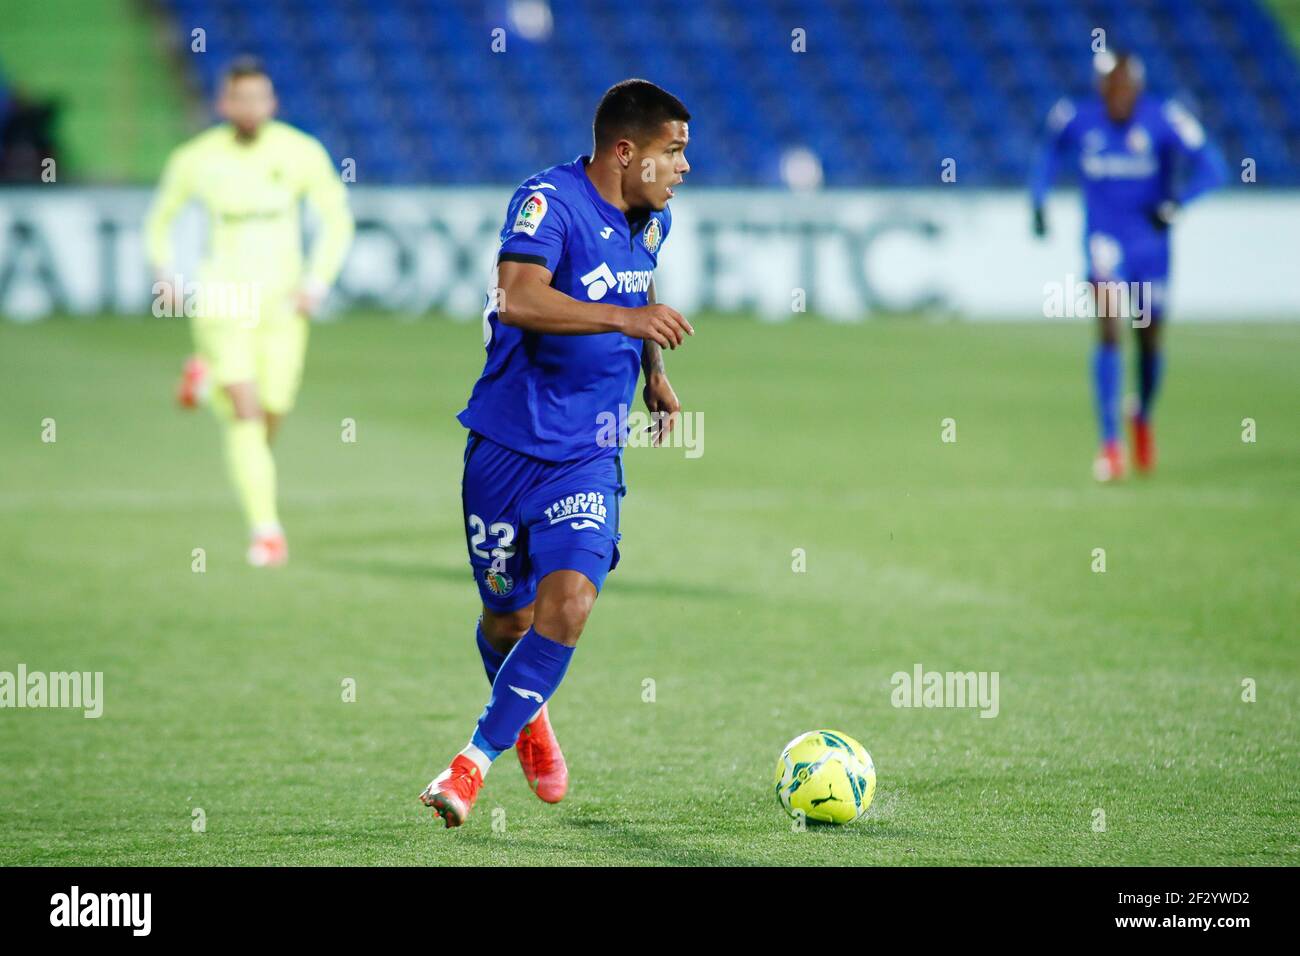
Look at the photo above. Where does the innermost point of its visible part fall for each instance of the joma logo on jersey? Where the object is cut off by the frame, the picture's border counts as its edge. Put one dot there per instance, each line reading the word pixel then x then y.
pixel 600 279
pixel 588 504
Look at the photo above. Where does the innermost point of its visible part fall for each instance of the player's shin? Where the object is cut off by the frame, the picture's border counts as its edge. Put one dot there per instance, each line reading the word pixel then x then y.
pixel 1151 366
pixel 252 470
pixel 492 658
pixel 1106 375
pixel 529 676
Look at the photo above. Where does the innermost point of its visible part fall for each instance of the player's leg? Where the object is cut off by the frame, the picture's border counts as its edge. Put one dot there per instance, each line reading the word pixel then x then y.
pixel 494 482
pixel 1150 370
pixel 281 339
pixel 227 347
pixel 280 342
pixel 537 747
pixel 1105 267
pixel 252 469
pixel 1107 379
pixel 571 520
pixel 498 632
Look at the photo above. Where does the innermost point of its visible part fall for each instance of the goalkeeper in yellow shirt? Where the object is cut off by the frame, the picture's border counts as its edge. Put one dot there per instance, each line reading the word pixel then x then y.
pixel 250 308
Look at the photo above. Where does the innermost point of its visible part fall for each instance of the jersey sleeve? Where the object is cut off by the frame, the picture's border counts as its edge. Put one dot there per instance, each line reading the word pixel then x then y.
pixel 324 190
pixel 174 190
pixel 1060 132
pixel 535 229
pixel 1205 168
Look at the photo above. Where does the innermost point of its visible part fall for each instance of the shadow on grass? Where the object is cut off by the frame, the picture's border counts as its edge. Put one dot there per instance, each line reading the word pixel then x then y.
pixel 430 571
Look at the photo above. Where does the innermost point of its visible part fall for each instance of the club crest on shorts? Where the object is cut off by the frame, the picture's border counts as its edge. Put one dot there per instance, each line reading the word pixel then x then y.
pixel 498 582
pixel 530 214
pixel 653 233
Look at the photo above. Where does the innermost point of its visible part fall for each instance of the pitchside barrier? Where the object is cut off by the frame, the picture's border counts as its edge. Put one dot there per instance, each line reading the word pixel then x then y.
pixel 844 255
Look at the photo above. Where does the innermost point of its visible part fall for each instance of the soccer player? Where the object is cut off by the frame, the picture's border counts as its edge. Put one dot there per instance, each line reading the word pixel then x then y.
pixel 252 303
pixel 1129 149
pixel 569 322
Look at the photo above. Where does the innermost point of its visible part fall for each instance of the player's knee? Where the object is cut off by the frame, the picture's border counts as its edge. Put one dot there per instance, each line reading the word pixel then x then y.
pixel 1148 337
pixel 503 629
pixel 243 402
pixel 563 614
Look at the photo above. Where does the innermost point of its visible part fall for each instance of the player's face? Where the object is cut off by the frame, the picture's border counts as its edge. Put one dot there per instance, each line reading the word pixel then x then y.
pixel 658 167
pixel 247 102
pixel 1119 91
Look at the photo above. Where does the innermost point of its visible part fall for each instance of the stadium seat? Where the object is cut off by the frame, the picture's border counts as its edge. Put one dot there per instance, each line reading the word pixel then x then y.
pixel 882 93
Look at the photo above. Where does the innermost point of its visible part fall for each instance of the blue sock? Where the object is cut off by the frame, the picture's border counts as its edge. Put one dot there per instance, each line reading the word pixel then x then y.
pixel 492 658
pixel 532 671
pixel 1151 366
pixel 1105 384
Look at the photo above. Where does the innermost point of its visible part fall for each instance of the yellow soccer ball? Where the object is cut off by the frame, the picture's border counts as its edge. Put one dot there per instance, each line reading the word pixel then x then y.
pixel 826 776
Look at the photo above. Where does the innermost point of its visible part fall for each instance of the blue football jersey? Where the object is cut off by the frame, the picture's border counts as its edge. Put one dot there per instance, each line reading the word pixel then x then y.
pixel 552 396
pixel 1128 169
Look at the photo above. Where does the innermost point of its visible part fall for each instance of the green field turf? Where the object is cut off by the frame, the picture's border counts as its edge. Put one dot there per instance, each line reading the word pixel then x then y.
pixel 1119 691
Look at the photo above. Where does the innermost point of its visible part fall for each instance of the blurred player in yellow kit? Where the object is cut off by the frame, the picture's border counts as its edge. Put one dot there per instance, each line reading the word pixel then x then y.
pixel 250 308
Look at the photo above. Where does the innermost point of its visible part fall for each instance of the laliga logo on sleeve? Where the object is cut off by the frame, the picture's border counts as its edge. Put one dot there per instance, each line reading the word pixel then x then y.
pixel 598 281
pixel 531 214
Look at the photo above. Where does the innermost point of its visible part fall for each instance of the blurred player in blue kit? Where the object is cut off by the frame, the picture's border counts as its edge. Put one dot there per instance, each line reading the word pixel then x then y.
pixel 570 323
pixel 1139 159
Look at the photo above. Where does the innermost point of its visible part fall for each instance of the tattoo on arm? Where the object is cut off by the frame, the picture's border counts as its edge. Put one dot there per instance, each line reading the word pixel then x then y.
pixel 652 359
pixel 652 356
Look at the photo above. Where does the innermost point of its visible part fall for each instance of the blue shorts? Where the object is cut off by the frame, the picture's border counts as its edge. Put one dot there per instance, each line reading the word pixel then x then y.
pixel 525 518
pixel 1143 264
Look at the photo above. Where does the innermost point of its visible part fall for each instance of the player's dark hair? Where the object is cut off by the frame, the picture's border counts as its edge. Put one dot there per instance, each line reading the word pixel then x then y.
pixel 634 109
pixel 243 66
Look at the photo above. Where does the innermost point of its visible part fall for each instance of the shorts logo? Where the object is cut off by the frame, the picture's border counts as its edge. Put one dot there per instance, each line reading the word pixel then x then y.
pixel 650 238
pixel 530 214
pixel 587 508
pixel 498 582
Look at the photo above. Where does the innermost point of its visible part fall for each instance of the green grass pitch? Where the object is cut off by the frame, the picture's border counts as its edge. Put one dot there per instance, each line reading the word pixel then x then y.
pixel 1120 692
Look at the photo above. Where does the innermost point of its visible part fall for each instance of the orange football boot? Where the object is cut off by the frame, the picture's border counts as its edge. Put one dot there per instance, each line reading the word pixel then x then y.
pixel 1144 444
pixel 539 754
pixel 192 389
pixel 1109 463
pixel 453 792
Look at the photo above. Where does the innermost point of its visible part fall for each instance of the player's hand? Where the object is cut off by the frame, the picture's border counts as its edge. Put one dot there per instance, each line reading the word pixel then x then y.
pixel 1162 216
pixel 308 300
pixel 659 324
pixel 1040 222
pixel 662 401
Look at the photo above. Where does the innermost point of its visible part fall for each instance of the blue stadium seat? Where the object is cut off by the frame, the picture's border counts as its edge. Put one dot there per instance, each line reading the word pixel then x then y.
pixel 884 91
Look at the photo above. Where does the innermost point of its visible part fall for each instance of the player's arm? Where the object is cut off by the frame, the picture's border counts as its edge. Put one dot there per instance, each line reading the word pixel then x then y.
pixel 1060 124
pixel 529 302
pixel 659 396
pixel 174 191
pixel 1206 169
pixel 324 190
